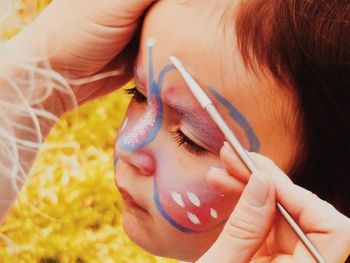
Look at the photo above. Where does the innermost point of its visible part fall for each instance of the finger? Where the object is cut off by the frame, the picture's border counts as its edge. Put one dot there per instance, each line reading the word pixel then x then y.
pixel 140 4
pixel 317 218
pixel 248 225
pixel 224 183
pixel 135 7
pixel 263 163
pixel 301 203
pixel 292 196
pixel 113 76
pixel 232 163
pixel 235 166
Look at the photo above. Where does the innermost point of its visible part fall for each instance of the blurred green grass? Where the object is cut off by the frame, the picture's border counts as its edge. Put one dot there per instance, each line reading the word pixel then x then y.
pixel 70 209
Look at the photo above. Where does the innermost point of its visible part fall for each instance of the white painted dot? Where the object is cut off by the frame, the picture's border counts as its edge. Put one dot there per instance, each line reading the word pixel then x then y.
pixel 194 219
pixel 213 213
pixel 194 199
pixel 151 42
pixel 124 124
pixel 177 198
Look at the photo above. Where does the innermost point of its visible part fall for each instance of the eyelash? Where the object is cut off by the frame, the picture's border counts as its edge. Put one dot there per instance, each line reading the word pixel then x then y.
pixel 180 138
pixel 136 94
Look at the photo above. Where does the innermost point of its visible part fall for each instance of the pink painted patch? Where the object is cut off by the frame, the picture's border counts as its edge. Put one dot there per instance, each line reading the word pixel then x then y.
pixel 143 128
pixel 191 203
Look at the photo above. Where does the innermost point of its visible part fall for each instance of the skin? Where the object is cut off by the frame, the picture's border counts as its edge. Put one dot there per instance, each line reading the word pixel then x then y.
pixel 146 175
pixel 77 40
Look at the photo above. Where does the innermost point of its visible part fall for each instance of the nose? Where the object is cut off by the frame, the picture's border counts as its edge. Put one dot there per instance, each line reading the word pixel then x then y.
pixel 141 159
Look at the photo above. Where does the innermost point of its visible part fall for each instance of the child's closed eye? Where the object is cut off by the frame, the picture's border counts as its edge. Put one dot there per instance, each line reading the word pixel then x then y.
pixel 136 95
pixel 182 140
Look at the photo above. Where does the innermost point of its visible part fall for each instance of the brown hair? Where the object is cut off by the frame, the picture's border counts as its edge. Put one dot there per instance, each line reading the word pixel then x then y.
pixel 305 44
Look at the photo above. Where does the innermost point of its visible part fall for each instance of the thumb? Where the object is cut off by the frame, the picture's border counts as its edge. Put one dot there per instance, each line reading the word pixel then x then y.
pixel 248 225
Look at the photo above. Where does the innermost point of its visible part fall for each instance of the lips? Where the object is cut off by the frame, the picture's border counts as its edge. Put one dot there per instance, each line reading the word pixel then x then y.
pixel 126 196
pixel 129 201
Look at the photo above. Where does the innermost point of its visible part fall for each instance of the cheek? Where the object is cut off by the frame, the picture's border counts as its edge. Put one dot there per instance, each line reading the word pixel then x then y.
pixel 138 131
pixel 188 203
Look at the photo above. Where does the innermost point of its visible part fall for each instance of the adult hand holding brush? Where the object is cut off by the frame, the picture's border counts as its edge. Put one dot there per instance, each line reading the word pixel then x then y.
pixel 256 232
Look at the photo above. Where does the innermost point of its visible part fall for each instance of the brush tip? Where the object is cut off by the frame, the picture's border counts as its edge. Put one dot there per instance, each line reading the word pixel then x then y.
pixel 151 42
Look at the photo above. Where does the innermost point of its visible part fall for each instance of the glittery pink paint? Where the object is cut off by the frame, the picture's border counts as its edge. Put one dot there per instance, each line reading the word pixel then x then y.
pixel 138 136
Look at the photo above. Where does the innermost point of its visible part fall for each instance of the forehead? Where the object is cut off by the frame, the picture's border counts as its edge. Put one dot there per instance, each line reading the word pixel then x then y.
pixel 196 34
pixel 202 37
pixel 206 45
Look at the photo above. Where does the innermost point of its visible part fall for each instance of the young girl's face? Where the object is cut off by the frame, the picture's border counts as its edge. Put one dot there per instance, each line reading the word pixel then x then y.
pixel 167 142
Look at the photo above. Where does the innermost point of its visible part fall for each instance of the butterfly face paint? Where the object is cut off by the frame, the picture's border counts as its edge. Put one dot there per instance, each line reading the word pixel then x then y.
pixel 146 129
pixel 254 143
pixel 186 201
pixel 148 126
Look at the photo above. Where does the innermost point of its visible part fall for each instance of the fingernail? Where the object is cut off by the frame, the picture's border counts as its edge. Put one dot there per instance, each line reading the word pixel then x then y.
pixel 215 170
pixel 256 191
pixel 228 147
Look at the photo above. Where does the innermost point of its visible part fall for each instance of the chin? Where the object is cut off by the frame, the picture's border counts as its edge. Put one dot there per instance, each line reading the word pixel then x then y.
pixel 175 245
pixel 141 235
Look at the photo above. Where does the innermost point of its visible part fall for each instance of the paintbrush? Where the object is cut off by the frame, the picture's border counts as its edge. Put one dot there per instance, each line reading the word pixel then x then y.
pixel 208 105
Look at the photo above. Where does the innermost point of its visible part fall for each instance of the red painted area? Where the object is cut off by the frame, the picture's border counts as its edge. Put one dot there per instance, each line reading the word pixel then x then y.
pixel 208 199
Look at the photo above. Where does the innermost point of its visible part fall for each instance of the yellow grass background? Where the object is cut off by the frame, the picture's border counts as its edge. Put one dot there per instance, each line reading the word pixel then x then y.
pixel 70 210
